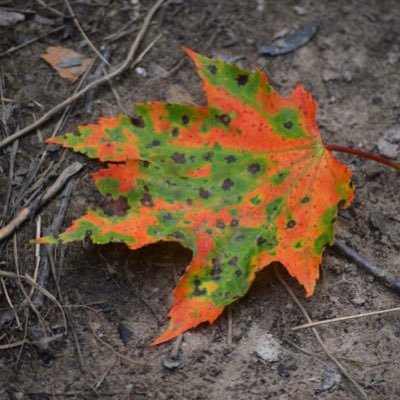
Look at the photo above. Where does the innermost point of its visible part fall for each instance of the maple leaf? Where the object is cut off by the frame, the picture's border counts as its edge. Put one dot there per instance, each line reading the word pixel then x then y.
pixel 242 181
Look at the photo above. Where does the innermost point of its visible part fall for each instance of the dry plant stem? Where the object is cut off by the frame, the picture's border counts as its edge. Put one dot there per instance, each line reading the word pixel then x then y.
pixel 389 281
pixel 54 10
pixel 363 154
pixel 28 42
pixel 121 68
pixel 339 319
pixel 317 336
pixel 82 32
pixel 55 227
pixel 24 214
pixel 13 155
pixel 12 275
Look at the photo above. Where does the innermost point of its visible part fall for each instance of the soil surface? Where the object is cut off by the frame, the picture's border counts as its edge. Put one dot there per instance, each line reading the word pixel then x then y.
pixel 115 300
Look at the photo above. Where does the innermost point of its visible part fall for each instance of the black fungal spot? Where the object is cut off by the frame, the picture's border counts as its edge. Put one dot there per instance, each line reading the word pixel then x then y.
pixel 260 241
pixel 217 267
pixel 230 159
pixel 177 235
pixel 138 122
pixel 305 200
pixel 291 224
pixel 208 156
pixel 298 245
pixel 178 158
pixel 220 224
pixel 175 132
pixel 204 194
pixel 341 203
pixel 333 220
pixel 242 79
pixel 351 185
pixel 227 184
pixel 233 261
pixel 197 291
pixel 213 69
pixel 189 202
pixel 234 223
pixel 146 200
pixel 239 238
pixel 155 143
pixel 238 272
pixel 254 168
pixel 288 124
pixel 167 217
pixel 185 119
pixel 224 118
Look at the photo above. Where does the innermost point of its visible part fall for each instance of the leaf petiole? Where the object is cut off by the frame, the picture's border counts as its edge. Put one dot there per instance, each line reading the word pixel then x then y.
pixel 363 154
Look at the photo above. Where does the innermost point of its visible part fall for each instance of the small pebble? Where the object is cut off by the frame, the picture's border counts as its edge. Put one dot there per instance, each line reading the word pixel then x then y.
pixel 300 10
pixel 268 348
pixel 358 300
pixel 124 333
pixel 330 378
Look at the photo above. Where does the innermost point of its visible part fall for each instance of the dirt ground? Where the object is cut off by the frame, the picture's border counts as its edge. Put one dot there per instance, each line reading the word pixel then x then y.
pixel 112 295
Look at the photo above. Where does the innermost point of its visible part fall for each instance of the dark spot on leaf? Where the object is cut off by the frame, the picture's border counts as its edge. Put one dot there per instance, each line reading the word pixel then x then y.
pixel 146 200
pixel 260 241
pixel 351 185
pixel 197 291
pixel 288 124
pixel 333 220
pixel 254 168
pixel 220 224
pixel 155 143
pixel 185 119
pixel 230 159
pixel 291 224
pixel 217 267
pixel 238 272
pixel 175 132
pixel 239 238
pixel 227 184
pixel 305 200
pixel 208 156
pixel 146 164
pixel 178 158
pixel 224 118
pixel 233 261
pixel 167 217
pixel 234 223
pixel 298 245
pixel 138 122
pixel 204 194
pixel 341 203
pixel 177 235
pixel 189 202
pixel 242 79
pixel 212 68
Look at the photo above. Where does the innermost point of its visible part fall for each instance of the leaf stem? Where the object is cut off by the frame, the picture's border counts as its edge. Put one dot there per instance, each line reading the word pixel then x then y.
pixel 363 154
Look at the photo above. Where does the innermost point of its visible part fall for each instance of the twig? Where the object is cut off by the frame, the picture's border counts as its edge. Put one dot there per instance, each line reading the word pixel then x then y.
pixel 28 42
pixel 390 281
pixel 82 32
pixel 13 155
pixel 338 319
pixel 25 213
pixel 7 296
pixel 106 372
pixel 121 68
pixel 318 337
pixel 96 75
pixel 7 274
pixel 55 227
pixel 54 10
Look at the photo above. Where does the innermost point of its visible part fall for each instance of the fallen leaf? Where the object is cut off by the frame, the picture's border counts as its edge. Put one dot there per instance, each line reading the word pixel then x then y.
pixel 68 63
pixel 242 181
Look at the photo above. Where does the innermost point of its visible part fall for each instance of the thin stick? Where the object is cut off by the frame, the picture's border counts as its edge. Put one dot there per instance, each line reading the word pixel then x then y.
pixel 121 68
pixel 7 274
pixel 28 42
pixel 363 154
pixel 82 32
pixel 7 296
pixel 338 319
pixel 390 281
pixel 24 214
pixel 318 337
